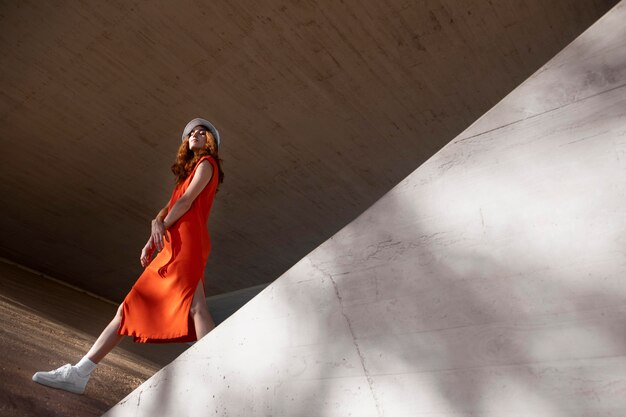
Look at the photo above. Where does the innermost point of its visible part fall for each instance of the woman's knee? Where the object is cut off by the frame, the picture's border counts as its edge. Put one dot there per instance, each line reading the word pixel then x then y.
pixel 198 302
pixel 118 314
pixel 199 307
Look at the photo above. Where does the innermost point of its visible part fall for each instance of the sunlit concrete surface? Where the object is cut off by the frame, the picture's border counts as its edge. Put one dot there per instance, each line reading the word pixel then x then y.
pixel 489 282
pixel 323 106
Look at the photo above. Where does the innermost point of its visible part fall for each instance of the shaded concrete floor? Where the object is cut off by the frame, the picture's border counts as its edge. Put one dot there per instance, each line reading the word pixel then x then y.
pixel 43 325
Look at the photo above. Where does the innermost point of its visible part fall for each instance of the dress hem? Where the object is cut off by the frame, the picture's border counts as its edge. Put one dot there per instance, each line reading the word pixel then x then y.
pixel 182 337
pixel 160 340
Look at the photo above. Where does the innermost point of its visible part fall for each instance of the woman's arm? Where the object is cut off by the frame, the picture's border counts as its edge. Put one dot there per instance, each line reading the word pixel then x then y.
pixel 146 253
pixel 201 178
pixel 162 213
pixel 158 230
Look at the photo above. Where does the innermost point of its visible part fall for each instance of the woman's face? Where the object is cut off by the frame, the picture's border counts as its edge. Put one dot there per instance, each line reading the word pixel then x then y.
pixel 198 138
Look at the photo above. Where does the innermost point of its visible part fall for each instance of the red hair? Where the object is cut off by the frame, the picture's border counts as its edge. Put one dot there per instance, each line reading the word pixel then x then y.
pixel 186 159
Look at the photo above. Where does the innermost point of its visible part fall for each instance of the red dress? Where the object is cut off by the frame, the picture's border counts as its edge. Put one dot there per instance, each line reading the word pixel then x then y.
pixel 156 310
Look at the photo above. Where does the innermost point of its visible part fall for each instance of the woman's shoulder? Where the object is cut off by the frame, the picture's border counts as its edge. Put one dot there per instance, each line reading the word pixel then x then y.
pixel 209 158
pixel 207 161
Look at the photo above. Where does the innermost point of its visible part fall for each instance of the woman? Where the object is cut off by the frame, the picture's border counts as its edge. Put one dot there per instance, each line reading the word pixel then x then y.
pixel 167 303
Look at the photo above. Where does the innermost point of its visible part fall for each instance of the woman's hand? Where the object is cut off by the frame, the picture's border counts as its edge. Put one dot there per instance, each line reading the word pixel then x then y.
pixel 147 252
pixel 158 233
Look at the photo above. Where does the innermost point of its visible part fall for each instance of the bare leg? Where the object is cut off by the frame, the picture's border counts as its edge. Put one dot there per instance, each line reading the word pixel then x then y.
pixel 107 340
pixel 199 311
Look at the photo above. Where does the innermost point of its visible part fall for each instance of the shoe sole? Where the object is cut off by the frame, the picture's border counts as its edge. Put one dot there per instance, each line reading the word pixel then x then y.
pixel 57 384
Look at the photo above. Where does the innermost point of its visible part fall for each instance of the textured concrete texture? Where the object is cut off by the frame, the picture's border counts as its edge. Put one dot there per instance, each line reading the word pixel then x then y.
pixel 489 282
pixel 323 107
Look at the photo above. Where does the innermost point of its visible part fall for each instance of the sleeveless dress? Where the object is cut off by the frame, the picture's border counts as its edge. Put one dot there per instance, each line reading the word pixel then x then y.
pixel 156 310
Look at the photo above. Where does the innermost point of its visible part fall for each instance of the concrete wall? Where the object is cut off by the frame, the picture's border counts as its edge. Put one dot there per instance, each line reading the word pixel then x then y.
pixel 94 95
pixel 487 283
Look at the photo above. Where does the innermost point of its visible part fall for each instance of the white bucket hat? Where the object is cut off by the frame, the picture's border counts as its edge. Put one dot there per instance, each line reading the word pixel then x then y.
pixel 202 122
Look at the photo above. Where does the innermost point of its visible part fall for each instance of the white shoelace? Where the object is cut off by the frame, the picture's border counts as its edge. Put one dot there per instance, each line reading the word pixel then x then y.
pixel 63 371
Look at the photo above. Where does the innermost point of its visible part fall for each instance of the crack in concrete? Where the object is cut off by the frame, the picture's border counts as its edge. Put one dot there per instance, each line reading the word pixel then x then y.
pixel 370 381
pixel 537 114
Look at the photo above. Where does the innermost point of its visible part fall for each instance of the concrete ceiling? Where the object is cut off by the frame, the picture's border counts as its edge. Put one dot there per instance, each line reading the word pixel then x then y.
pixel 322 107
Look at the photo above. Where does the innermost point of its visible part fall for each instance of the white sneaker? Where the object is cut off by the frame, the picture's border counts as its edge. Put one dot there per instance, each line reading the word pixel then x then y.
pixel 65 378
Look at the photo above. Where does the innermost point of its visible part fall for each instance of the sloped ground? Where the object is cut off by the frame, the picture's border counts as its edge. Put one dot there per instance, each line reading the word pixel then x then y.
pixel 44 325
